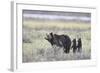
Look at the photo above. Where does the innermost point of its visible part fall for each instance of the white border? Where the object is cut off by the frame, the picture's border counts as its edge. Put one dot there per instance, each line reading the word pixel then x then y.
pixel 17 38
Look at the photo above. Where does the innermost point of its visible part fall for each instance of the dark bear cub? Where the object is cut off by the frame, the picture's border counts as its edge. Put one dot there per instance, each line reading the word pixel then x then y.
pixel 79 45
pixel 74 46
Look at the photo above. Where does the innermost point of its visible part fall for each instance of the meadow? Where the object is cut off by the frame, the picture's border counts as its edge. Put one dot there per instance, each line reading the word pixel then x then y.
pixel 36 49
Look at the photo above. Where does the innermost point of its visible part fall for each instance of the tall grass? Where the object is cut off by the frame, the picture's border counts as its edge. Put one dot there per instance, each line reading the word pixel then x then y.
pixel 36 48
pixel 56 25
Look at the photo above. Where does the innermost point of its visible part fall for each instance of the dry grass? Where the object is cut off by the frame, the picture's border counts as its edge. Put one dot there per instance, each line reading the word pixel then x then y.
pixel 38 49
pixel 55 25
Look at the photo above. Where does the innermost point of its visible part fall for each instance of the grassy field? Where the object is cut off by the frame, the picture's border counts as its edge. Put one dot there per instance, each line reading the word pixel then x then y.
pixel 37 49
pixel 51 25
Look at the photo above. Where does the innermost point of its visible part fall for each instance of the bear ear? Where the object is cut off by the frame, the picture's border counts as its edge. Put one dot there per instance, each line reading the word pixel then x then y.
pixel 79 39
pixel 51 34
pixel 45 38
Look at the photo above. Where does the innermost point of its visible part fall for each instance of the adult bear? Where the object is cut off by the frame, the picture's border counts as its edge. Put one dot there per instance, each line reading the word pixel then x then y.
pixel 60 40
